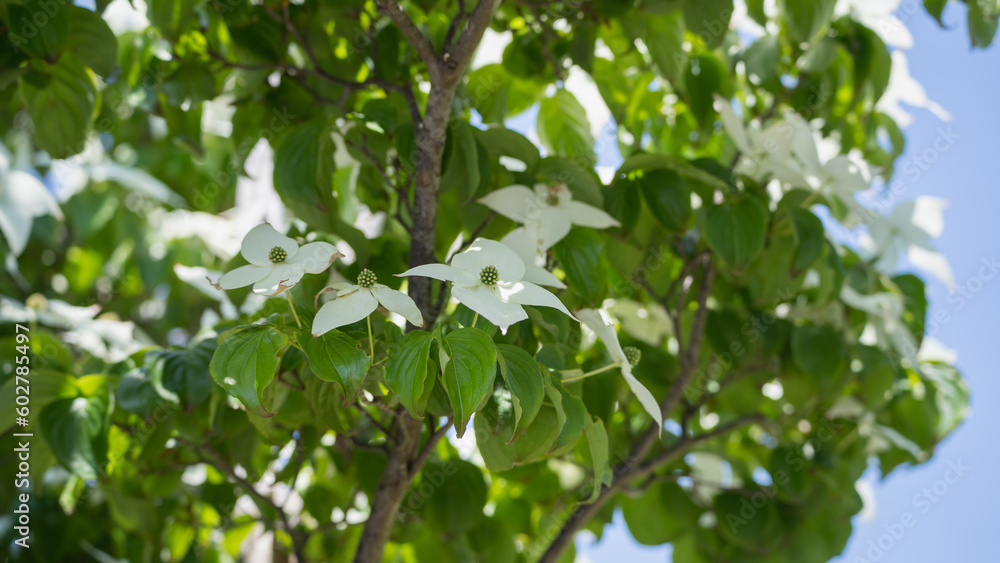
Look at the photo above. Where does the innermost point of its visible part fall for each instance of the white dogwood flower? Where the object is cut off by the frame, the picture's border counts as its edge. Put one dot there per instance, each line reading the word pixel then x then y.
pixel 356 301
pixel 599 321
pixel 488 278
pixel 524 241
pixel 22 198
pixel 885 315
pixel 276 262
pixel 823 167
pixel 910 227
pixel 104 336
pixel 550 209
pixel 763 151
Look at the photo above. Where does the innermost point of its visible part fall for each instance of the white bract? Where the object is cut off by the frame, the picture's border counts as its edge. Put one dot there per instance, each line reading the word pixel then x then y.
pixel 885 315
pixel 763 151
pixel 603 326
pixel 904 89
pixel 823 167
pixel 551 210
pixel 276 262
pixel 22 198
pixel 488 278
pixel 356 301
pixel 105 337
pixel 909 228
pixel 524 241
pixel 93 164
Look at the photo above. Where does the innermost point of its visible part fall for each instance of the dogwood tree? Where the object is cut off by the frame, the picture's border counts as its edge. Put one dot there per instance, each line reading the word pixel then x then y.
pixel 453 280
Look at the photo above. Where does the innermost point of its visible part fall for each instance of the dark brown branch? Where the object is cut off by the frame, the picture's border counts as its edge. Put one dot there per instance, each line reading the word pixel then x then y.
pixel 413 35
pixel 429 446
pixel 479 20
pixel 585 512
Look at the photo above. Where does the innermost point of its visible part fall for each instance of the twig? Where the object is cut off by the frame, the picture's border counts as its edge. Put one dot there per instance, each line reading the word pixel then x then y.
pixel 429 446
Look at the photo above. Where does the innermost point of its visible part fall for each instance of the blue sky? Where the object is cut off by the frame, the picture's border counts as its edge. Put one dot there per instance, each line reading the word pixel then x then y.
pixel 947 521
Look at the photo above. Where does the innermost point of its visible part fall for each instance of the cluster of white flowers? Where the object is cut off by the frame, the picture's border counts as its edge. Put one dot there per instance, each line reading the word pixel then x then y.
pixel 277 263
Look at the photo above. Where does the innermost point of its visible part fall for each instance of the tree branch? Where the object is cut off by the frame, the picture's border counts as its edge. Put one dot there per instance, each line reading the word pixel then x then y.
pixel 634 466
pixel 415 37
pixel 458 58
pixel 585 512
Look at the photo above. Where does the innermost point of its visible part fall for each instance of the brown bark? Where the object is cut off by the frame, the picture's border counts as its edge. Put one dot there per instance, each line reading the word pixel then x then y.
pixel 445 72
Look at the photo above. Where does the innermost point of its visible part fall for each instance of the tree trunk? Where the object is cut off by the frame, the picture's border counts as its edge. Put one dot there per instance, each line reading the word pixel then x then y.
pixel 391 489
pixel 445 74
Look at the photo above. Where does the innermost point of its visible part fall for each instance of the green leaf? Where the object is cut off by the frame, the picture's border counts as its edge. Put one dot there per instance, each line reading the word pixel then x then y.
pixel 805 18
pixel 690 170
pixel 708 19
pixel 914 304
pixel 461 168
pixel 809 239
pixel 76 430
pixel 736 231
pixel 325 398
pixel 564 130
pixel 741 525
pixel 468 376
pixel 336 357
pixel 572 410
pixel 172 17
pixel 497 95
pixel 660 514
pixel 762 62
pixel 581 255
pixel 819 55
pixel 936 9
pixel 185 372
pixel 136 393
pixel 92 41
pixel 581 49
pixel 983 16
pixel 406 371
pixel 818 350
pixel 245 362
pixel 597 444
pixel 951 395
pixel 303 162
pixel 665 39
pixel 458 498
pixel 494 427
pixel 40 29
pixel 706 76
pixel 581 181
pixel 500 141
pixel 60 99
pixel 523 377
pixel 668 197
pixel 624 203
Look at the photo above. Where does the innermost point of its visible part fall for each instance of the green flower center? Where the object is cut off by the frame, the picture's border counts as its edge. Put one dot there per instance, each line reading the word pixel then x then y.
pixel 552 200
pixel 366 278
pixel 489 275
pixel 633 355
pixel 277 254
